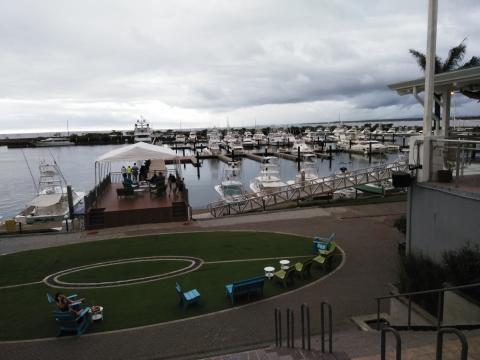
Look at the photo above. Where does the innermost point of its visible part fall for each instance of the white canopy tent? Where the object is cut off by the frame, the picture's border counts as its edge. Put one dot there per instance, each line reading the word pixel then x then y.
pixel 138 151
pixel 135 152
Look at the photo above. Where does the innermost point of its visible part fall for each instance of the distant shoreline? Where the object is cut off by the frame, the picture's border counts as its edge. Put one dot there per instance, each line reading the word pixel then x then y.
pixel 36 135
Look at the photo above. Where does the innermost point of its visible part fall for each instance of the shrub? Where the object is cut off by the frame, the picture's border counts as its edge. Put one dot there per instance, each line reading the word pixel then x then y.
pixel 401 224
pixel 419 272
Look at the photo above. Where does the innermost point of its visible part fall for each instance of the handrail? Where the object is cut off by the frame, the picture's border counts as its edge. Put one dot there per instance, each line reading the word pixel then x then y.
pixel 330 329
pixel 398 342
pixel 460 335
pixel 278 327
pixel 409 295
pixel 290 327
pixel 457 141
pixel 428 291
pixel 305 309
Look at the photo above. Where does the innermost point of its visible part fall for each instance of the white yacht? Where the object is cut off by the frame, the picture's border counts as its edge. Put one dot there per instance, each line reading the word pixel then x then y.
pixel 304 148
pixel 248 142
pixel 214 145
pixel 367 146
pixel 237 147
pixel 259 138
pixel 192 137
pixel 231 188
pixel 142 132
pixel 312 137
pixel 180 138
pixel 268 180
pixel 54 141
pixel 308 172
pixel 51 202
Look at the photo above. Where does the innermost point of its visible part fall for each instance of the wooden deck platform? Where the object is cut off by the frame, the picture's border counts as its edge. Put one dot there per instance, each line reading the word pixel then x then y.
pixel 143 207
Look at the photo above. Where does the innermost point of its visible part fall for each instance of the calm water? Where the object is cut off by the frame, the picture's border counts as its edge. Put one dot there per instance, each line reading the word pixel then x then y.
pixel 78 166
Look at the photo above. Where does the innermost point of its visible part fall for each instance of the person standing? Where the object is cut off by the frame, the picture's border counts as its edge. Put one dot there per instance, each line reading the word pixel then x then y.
pixel 124 172
pixel 172 184
pixel 129 172
pixel 135 172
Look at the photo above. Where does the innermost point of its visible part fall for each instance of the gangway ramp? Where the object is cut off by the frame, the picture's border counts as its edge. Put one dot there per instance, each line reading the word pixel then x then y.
pixel 308 189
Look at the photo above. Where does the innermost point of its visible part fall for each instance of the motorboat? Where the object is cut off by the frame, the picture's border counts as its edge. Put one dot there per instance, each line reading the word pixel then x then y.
pixel 300 144
pixel 237 147
pixel 248 142
pixel 308 172
pixel 214 146
pixel 268 180
pixel 368 146
pixel 142 132
pixel 231 188
pixel 180 138
pixel 347 193
pixel 259 138
pixel 192 137
pixel 51 202
pixel 54 141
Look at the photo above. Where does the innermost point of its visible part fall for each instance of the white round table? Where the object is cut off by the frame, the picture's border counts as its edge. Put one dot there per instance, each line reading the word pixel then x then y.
pixel 269 271
pixel 284 264
pixel 98 315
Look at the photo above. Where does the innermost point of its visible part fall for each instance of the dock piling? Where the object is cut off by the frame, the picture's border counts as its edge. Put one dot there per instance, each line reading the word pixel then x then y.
pixel 298 158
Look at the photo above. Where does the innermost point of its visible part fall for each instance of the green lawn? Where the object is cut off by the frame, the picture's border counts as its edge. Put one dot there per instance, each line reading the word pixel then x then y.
pixel 25 313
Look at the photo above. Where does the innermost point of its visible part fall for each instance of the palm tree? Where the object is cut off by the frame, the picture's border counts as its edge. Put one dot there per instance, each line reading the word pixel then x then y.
pixel 452 62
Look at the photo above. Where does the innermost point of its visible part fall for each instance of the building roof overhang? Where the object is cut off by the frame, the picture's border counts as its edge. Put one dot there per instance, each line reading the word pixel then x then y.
pixel 458 80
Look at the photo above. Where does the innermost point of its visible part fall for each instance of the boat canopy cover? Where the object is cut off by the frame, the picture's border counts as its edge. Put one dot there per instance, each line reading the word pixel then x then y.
pixel 138 151
pixel 45 200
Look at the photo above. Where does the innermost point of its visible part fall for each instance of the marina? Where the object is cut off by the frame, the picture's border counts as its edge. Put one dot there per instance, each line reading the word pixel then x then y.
pixel 77 163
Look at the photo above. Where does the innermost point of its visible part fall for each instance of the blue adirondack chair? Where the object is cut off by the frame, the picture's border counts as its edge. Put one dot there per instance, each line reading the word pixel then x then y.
pixel 68 321
pixel 75 302
pixel 187 297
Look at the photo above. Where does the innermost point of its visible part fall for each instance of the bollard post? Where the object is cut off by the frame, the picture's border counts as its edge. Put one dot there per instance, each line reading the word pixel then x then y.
pixel 298 158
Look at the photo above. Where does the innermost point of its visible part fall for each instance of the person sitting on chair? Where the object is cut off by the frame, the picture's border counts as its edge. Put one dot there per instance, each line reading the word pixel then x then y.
pixel 154 178
pixel 65 304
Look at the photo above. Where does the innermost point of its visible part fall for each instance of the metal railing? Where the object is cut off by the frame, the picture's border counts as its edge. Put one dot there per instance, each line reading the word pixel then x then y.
pixel 305 312
pixel 461 157
pixel 330 326
pixel 398 343
pixel 461 337
pixel 278 327
pixel 306 189
pixel 290 329
pixel 409 296
pixel 290 323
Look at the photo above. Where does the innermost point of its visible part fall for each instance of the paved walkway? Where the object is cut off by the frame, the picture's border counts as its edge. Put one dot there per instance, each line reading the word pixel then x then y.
pixel 364 232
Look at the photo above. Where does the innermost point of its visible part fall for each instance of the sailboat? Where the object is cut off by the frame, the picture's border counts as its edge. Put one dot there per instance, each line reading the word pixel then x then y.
pixel 51 202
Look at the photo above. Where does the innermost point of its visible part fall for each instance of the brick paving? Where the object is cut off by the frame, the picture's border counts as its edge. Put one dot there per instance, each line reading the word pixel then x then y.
pixel 364 232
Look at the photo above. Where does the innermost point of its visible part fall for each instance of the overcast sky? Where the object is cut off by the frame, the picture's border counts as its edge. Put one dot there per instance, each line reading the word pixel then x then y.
pixel 102 64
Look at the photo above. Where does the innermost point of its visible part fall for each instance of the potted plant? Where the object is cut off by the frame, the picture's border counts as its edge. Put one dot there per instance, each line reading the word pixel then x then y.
pixel 446 175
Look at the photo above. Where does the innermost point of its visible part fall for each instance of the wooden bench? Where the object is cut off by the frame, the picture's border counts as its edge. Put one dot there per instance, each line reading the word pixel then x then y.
pixel 187 297
pixel 125 192
pixel 245 287
pixel 68 321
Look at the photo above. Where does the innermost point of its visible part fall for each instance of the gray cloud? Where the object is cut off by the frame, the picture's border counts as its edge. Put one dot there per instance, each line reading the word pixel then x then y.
pixel 101 64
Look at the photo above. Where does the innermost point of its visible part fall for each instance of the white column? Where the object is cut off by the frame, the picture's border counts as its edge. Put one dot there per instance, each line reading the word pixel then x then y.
pixel 429 86
pixel 446 97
